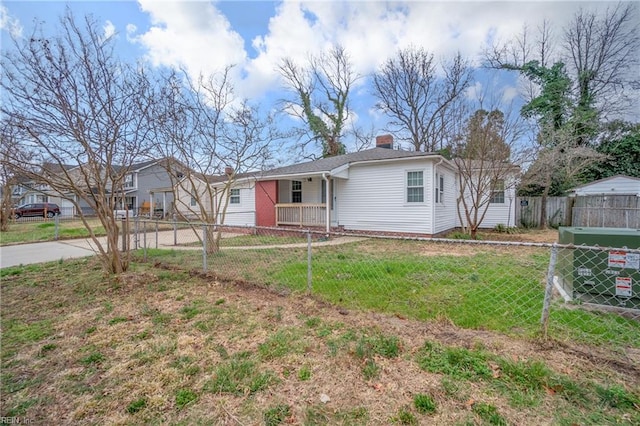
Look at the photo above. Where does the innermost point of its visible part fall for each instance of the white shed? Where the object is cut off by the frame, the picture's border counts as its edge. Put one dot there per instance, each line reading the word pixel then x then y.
pixel 614 185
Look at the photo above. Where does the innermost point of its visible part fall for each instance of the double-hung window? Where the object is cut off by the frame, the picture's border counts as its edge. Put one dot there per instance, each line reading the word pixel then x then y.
pixel 234 197
pixel 128 181
pixel 296 191
pixel 439 188
pixel 415 187
pixel 497 192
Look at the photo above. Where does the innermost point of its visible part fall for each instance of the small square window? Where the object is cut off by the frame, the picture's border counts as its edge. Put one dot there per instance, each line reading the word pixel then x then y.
pixel 234 197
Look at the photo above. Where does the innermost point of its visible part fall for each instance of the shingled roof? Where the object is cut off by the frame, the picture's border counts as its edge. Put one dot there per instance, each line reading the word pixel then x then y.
pixel 330 163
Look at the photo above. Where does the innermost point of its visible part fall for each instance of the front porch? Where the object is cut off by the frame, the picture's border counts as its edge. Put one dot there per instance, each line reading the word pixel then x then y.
pixel 301 214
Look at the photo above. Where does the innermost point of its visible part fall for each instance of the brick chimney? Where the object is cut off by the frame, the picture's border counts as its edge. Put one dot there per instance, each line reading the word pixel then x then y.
pixel 228 171
pixel 384 141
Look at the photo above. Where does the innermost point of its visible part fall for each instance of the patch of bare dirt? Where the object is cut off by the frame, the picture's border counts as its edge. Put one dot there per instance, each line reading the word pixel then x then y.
pixel 147 338
pixel 530 236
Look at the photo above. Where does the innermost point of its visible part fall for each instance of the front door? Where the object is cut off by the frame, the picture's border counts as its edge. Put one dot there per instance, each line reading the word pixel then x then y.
pixel 332 197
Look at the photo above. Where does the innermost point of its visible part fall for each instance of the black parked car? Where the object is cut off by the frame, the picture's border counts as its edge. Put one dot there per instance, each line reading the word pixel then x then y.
pixel 37 209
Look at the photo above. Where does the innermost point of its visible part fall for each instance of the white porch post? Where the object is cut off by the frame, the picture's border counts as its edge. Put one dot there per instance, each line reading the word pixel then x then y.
pixel 327 207
pixel 164 204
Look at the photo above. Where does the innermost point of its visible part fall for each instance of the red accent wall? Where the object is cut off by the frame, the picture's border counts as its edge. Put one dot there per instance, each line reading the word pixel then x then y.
pixel 266 199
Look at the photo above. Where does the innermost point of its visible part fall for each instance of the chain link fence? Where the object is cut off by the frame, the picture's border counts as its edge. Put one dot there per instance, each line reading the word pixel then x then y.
pixel 587 294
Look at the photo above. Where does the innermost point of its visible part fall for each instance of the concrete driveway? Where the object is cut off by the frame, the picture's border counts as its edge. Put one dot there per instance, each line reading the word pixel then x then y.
pixel 25 254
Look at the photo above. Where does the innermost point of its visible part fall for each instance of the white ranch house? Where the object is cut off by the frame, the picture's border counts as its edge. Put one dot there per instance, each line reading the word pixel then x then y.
pixel 375 190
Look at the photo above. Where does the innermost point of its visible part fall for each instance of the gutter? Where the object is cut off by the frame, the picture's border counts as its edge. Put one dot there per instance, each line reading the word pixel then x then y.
pixel 433 205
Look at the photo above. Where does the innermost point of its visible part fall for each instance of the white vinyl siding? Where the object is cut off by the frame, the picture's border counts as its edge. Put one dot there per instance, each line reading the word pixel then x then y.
pixel 375 198
pixel 613 185
pixel 500 213
pixel 445 213
pixel 241 213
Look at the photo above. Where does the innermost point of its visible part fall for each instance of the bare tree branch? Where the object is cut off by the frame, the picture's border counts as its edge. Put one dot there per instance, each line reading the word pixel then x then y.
pixel 417 98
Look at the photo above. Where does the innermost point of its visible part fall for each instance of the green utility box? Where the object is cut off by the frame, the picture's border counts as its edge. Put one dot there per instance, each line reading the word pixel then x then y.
pixel 605 277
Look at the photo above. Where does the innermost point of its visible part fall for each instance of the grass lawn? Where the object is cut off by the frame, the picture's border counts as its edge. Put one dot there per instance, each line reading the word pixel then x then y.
pixel 29 232
pixel 477 287
pixel 163 344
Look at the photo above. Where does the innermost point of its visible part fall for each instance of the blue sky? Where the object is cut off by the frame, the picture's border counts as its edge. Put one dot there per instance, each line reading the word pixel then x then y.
pixel 205 36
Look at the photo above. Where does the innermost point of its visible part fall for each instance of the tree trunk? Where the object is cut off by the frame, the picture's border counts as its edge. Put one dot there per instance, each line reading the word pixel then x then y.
pixel 5 208
pixel 213 239
pixel 474 233
pixel 543 208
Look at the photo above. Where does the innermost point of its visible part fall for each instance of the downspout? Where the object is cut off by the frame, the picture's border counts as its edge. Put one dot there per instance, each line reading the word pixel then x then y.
pixel 433 205
pixel 328 206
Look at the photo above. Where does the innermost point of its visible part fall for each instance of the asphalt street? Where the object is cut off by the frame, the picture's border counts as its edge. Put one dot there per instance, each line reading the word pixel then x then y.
pixel 24 254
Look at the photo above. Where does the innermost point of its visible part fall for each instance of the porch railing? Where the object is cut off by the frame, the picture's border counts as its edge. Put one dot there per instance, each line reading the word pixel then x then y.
pixel 301 214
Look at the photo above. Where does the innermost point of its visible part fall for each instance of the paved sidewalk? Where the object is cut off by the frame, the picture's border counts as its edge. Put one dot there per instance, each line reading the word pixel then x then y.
pixel 25 254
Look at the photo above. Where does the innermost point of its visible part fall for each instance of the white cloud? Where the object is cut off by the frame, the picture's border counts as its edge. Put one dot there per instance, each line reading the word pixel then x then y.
pixel 9 23
pixel 192 35
pixel 109 29
pixel 509 93
pixel 197 36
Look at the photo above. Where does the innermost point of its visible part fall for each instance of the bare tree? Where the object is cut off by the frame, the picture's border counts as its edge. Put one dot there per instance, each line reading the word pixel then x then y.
pixel 603 53
pixel 208 137
pixel 320 98
pixel 487 151
pixel 417 94
pixel 559 162
pixel 10 152
pixel 75 103
pixel 600 52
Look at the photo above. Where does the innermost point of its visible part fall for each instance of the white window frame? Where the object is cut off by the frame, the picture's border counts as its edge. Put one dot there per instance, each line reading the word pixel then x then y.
pixel 234 196
pixel 412 184
pixel 498 192
pixel 129 181
pixel 296 188
pixel 439 188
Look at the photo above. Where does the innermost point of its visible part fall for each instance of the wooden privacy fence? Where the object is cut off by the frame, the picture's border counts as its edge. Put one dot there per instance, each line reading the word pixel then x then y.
pixel 609 211
pixel 528 211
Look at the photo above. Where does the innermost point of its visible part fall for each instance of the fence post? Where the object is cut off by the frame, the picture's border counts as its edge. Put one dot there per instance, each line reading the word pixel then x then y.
pixel 136 230
pixel 156 233
pixel 56 229
pixel 309 275
pixel 548 292
pixel 144 237
pixel 175 230
pixel 125 234
pixel 204 248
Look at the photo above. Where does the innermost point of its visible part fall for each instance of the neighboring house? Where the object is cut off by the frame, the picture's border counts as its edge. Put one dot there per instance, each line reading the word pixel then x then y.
pixel 612 202
pixel 147 189
pixel 377 190
pixel 614 185
pixel 29 191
